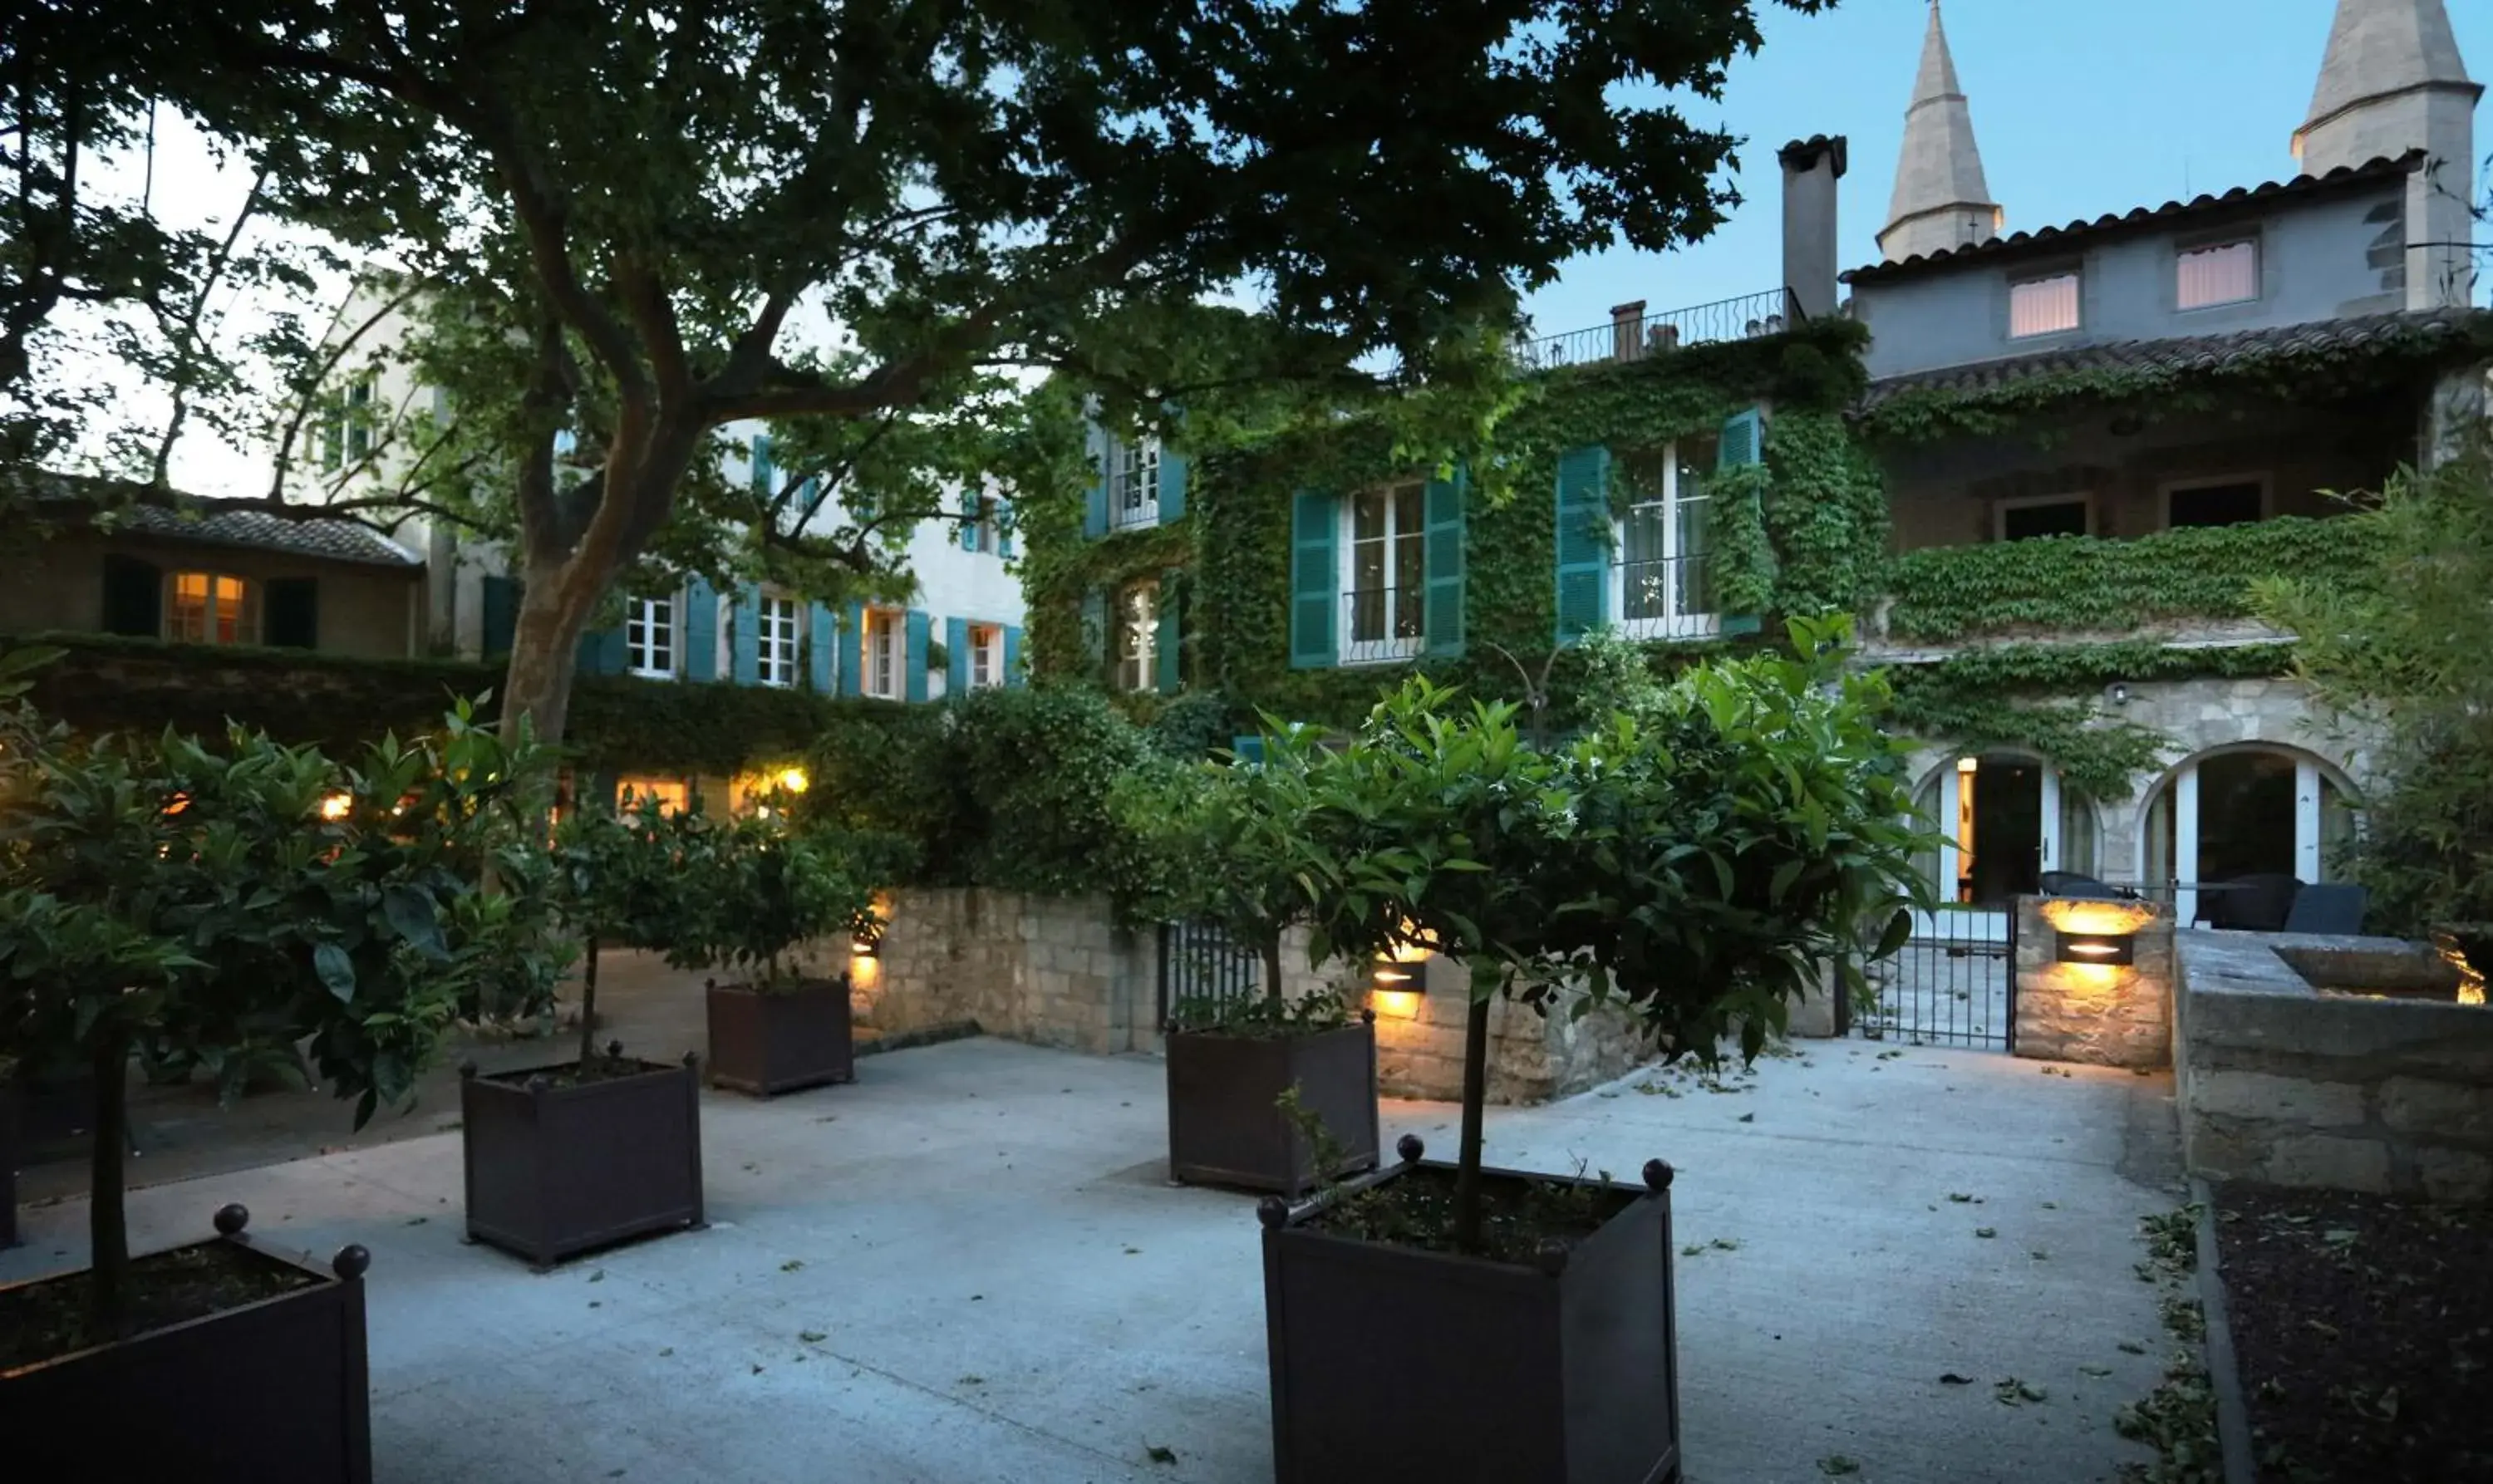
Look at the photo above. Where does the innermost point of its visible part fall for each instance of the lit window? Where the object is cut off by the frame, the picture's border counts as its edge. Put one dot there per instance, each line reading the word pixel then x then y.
pixel 1134 484
pixel 2046 306
pixel 209 609
pixel 672 794
pixel 1388 564
pixel 649 636
pixel 1662 589
pixel 883 637
pixel 1138 624
pixel 2221 273
pixel 986 656
pixel 777 646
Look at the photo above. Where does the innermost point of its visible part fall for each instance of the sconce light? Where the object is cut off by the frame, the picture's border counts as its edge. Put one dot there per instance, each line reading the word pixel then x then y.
pixel 2119 694
pixel 337 805
pixel 2113 948
pixel 866 944
pixel 1392 977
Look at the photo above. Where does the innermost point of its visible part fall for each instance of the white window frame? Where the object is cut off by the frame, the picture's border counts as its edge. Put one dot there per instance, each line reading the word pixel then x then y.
pixel 659 621
pixel 986 656
pixel 1674 623
pixel 777 621
pixel 2182 250
pixel 1392 648
pixel 1132 468
pixel 1138 639
pixel 2164 494
pixel 245 613
pixel 2076 275
pixel 1999 509
pixel 882 660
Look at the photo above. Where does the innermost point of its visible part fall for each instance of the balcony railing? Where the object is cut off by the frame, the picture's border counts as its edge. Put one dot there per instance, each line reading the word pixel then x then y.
pixel 1382 623
pixel 1128 510
pixel 1666 598
pixel 1635 335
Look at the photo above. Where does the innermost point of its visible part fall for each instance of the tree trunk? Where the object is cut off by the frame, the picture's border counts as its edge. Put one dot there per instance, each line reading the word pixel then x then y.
pixel 544 650
pixel 1467 1172
pixel 589 1004
pixel 108 1211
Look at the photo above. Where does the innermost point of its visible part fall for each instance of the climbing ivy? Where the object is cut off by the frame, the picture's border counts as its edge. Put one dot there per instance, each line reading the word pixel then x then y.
pixel 2091 584
pixel 1825 514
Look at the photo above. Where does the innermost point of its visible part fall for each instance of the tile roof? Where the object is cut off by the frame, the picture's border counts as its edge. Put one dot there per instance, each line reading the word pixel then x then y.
pixel 2054 238
pixel 202 522
pixel 2196 353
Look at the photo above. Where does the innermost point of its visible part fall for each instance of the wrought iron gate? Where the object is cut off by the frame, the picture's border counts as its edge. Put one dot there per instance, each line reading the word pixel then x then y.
pixel 1202 966
pixel 1954 983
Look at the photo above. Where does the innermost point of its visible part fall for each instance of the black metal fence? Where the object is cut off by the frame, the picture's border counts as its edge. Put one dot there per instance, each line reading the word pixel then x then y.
pixel 1382 623
pixel 1634 337
pixel 1202 967
pixel 1954 983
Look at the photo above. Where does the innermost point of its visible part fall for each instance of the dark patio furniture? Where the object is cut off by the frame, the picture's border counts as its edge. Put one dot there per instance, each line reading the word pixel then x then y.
pixel 2258 903
pixel 2334 907
pixel 2069 883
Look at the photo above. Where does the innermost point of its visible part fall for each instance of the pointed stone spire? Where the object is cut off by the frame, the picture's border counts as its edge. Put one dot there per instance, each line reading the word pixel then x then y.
pixel 1942 200
pixel 2391 81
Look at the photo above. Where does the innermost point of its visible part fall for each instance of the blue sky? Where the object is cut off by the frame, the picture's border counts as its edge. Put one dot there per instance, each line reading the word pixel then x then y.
pixel 2081 108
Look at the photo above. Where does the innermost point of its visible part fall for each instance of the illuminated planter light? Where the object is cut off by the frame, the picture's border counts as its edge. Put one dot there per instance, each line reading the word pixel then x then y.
pixel 2097 948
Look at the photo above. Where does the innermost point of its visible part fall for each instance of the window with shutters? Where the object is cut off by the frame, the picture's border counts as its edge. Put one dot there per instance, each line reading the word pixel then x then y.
pixel 989 532
pixel 1386 574
pixel 2217 273
pixel 2046 305
pixel 1138 636
pixel 1659 587
pixel 1134 484
pixel 775 653
pixel 210 608
pixel 986 656
pixel 885 636
pixel 649 637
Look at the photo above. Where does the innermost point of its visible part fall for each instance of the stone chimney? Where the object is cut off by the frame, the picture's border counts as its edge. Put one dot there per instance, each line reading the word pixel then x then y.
pixel 1627 331
pixel 1811 168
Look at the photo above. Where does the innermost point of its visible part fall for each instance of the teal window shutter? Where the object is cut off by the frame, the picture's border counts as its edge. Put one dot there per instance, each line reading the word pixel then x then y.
pixel 1094 632
pixel 1584 542
pixel 853 651
pixel 1003 528
pixel 970 520
pixel 1248 748
pixel 1743 440
pixel 1172 490
pixel 1167 673
pixel 956 656
pixel 501 619
pixel 1095 509
pixel 289 615
pixel 1012 657
pixel 818 663
pixel 766 473
pixel 601 652
pixel 915 656
pixel 1442 619
pixel 134 598
pixel 700 631
pixel 1315 578
pixel 745 642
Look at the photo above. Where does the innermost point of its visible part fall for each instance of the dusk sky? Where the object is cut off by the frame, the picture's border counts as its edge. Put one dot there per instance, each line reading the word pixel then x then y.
pixel 2080 109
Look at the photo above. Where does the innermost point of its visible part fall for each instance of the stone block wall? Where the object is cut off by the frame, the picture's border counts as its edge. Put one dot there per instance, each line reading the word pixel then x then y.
pixel 1532 1058
pixel 2281 1084
pixel 1052 971
pixel 2101 1013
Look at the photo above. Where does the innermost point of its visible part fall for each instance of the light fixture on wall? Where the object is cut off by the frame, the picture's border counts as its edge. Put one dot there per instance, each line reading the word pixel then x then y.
pixel 2119 695
pixel 2118 950
pixel 2091 930
pixel 866 942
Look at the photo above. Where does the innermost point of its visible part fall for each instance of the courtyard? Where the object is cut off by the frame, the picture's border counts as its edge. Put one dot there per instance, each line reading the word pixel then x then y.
pixel 969 1267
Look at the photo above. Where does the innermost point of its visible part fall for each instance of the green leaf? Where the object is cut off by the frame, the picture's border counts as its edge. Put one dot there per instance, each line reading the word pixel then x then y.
pixel 336 971
pixel 413 916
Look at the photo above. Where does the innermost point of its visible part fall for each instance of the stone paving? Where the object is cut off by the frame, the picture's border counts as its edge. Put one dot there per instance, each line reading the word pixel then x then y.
pixel 968 1266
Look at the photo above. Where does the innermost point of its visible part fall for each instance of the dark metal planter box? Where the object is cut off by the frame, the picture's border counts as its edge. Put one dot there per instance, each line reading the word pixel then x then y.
pixel 1390 1363
pixel 555 1171
pixel 1224 1128
pixel 275 1390
pixel 771 1043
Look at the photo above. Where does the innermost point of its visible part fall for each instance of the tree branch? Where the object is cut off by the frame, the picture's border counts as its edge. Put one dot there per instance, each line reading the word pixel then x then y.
pixel 185 342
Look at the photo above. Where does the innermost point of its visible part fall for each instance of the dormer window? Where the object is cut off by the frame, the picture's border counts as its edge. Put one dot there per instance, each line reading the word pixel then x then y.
pixel 2045 305
pixel 2218 273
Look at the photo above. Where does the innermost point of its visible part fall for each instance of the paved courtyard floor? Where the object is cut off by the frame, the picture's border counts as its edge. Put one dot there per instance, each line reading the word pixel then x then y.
pixel 968 1266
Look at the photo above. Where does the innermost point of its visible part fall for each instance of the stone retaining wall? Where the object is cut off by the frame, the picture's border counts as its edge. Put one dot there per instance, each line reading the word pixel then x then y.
pixel 2101 1013
pixel 2280 1085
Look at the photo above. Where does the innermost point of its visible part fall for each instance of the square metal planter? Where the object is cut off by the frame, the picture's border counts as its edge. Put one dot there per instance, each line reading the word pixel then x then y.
pixel 554 1171
pixel 1224 1127
pixel 1394 1363
pixel 274 1390
pixel 769 1043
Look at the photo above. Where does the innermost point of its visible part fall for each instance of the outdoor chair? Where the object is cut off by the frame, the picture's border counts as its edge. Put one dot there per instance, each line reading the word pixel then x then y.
pixel 2069 883
pixel 2258 903
pixel 2334 907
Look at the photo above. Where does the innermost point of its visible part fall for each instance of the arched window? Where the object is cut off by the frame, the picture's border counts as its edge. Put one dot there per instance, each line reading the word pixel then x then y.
pixel 2006 820
pixel 2252 810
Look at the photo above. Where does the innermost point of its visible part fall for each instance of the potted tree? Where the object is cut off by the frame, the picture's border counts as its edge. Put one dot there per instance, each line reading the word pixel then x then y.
pixel 1229 848
pixel 765 891
pixel 566 1158
pixel 1693 866
pixel 219 901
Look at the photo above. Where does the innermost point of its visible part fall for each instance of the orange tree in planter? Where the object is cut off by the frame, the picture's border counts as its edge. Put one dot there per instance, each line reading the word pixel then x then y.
pixel 1697 860
pixel 233 902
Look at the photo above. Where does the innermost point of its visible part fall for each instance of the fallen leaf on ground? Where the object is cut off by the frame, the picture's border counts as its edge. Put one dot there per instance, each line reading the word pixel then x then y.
pixel 1951 1379
pixel 812 1336
pixel 1836 1465
pixel 1160 1455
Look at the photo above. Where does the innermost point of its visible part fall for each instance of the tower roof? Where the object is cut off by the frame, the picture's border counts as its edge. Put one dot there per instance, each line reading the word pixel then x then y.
pixel 2377 47
pixel 1940 168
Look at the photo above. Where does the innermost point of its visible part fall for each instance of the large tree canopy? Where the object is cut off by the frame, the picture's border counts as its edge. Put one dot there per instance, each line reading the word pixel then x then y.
pixel 641 202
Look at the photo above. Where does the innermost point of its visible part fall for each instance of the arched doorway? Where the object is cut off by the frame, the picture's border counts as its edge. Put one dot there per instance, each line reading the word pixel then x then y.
pixel 2253 809
pixel 2005 819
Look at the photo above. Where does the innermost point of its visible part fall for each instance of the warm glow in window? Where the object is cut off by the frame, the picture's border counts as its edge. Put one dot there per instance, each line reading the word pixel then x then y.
pixel 672 794
pixel 986 656
pixel 2224 273
pixel 885 635
pixel 2043 305
pixel 208 609
pixel 1138 637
